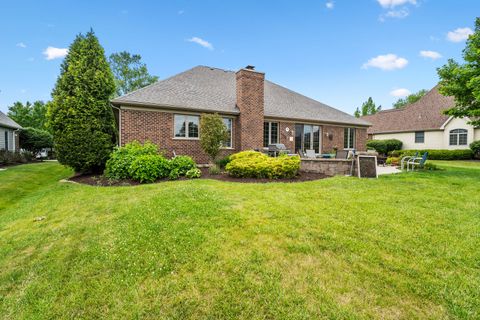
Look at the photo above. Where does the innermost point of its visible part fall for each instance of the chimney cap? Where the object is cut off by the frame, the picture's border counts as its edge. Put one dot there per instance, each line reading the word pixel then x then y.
pixel 250 67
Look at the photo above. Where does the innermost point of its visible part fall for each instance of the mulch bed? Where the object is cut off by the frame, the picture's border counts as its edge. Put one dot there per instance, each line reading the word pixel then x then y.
pixel 98 180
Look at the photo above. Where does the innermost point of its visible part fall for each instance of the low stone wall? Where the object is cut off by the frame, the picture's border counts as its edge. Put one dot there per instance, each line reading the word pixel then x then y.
pixel 329 167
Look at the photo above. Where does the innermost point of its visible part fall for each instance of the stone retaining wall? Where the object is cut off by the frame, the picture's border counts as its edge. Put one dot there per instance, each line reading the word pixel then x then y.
pixel 329 167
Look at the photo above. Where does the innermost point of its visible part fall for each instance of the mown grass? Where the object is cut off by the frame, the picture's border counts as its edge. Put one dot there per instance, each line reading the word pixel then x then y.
pixel 401 247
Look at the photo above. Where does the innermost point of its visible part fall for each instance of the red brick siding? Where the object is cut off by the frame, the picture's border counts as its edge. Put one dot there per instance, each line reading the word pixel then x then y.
pixel 157 127
pixel 334 138
pixel 250 101
pixel 361 139
pixel 285 136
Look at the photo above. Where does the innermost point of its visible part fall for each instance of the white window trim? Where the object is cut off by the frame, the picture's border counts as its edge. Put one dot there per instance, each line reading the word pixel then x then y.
pixel 231 134
pixel 457 135
pixel 270 132
pixel 348 138
pixel 186 127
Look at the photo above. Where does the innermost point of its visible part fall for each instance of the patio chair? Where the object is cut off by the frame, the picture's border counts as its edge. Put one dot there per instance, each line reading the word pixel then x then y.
pixel 341 154
pixel 301 153
pixel 419 162
pixel 406 158
pixel 311 153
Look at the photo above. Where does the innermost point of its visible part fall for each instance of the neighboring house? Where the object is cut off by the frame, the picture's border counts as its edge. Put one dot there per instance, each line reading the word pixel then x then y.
pixel 9 137
pixel 422 125
pixel 256 112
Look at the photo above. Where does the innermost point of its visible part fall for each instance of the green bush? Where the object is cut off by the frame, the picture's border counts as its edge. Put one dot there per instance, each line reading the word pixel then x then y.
pixel 252 164
pixel 12 157
pixel 34 140
pixel 149 167
pixel 174 174
pixel 118 165
pixel 384 146
pixel 393 161
pixel 222 163
pixel 182 164
pixel 475 147
pixel 430 166
pixel 193 173
pixel 461 154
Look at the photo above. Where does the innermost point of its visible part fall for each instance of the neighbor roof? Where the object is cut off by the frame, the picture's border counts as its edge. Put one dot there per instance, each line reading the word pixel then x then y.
pixel 5 121
pixel 425 114
pixel 209 89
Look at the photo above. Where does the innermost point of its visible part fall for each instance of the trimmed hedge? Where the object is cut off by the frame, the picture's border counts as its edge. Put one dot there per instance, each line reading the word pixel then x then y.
pixel 253 164
pixel 385 146
pixel 475 147
pixel 464 154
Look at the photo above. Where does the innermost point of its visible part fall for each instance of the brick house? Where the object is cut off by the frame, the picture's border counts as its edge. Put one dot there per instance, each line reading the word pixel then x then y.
pixel 256 112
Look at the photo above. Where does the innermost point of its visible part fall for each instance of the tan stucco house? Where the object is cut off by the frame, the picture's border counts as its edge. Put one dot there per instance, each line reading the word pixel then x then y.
pixel 422 125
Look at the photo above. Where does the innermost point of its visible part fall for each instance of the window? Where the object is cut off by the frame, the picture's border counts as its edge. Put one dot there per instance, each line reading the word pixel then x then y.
pixel 228 123
pixel 419 137
pixel 349 138
pixel 186 126
pixel 458 137
pixel 307 137
pixel 6 140
pixel 270 133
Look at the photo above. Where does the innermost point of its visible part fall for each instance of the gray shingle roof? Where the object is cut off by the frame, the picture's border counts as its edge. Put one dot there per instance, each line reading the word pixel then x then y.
pixel 212 89
pixel 7 122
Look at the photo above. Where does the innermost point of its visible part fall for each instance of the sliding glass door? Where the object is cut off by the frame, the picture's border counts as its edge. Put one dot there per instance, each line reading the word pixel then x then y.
pixel 307 137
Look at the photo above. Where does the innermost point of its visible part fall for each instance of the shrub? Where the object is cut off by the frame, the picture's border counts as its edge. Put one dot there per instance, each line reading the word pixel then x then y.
pixel 385 146
pixel 182 164
pixel 149 167
pixel 12 157
pixel 174 174
pixel 193 173
pixel 118 166
pixel 80 115
pixel 430 166
pixel 393 161
pixel 222 163
pixel 214 170
pixel 252 164
pixel 34 140
pixel 462 154
pixel 475 147
pixel 213 134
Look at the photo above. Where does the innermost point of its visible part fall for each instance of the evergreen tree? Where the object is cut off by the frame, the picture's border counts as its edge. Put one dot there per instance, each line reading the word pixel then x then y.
pixel 368 107
pixel 79 115
pixel 130 72
pixel 462 81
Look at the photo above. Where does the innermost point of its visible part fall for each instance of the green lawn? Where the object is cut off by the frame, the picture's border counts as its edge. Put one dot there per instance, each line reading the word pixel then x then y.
pixel 401 247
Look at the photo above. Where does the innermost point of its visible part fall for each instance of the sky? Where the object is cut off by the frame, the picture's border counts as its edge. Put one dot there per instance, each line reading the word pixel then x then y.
pixel 338 52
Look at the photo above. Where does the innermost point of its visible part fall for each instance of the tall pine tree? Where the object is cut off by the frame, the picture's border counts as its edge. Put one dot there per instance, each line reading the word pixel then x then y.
pixel 80 115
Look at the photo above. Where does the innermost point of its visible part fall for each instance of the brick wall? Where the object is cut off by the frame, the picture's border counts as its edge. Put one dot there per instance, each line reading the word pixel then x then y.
pixel 250 101
pixel 334 138
pixel 285 136
pixel 361 139
pixel 157 127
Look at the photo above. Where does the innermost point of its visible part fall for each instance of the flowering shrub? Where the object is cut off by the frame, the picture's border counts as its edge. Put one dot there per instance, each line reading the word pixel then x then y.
pixel 252 164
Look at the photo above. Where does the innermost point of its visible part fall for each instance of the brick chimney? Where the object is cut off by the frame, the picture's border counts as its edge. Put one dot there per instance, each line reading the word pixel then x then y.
pixel 250 101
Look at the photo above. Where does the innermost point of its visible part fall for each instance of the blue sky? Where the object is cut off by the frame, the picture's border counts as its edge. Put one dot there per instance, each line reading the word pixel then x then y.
pixel 339 52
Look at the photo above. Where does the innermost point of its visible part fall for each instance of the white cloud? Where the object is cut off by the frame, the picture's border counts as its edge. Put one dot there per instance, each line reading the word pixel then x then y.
pixel 459 34
pixel 55 53
pixel 394 3
pixel 386 62
pixel 330 4
pixel 399 14
pixel 21 45
pixel 430 54
pixel 201 42
pixel 400 93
